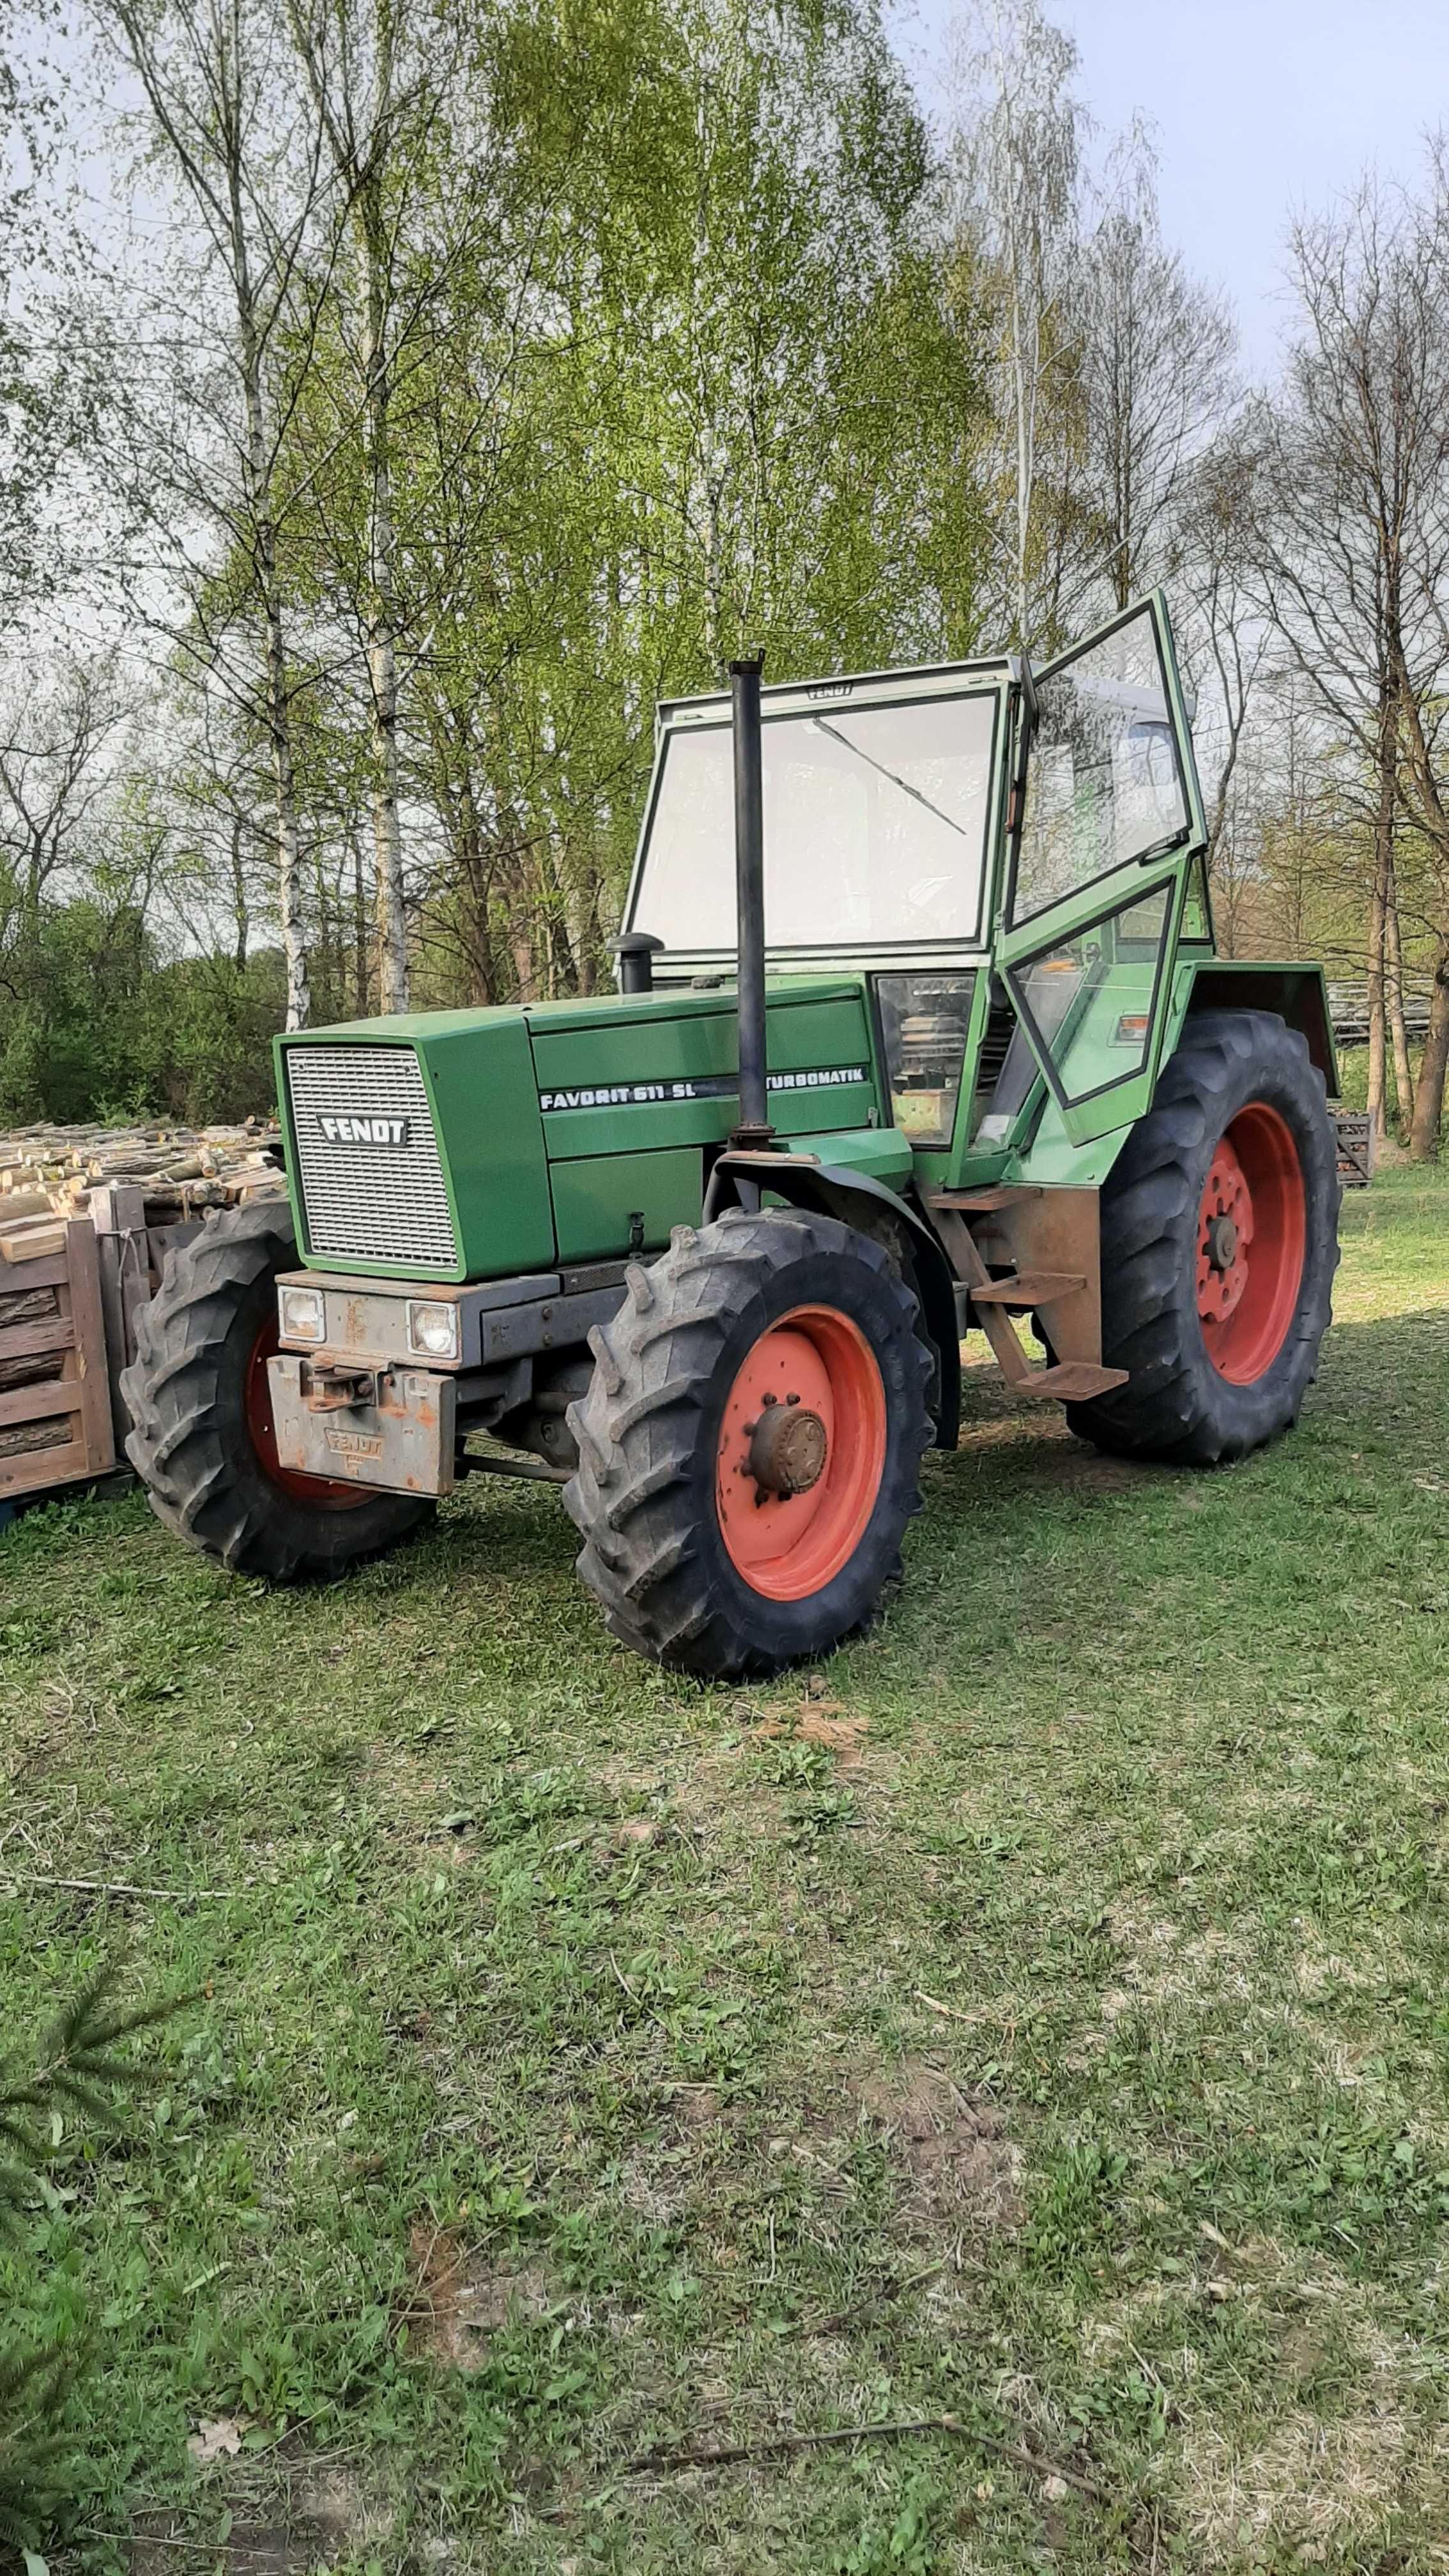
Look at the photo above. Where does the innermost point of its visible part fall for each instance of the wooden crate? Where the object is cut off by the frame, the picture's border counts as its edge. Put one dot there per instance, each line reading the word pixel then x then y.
pixel 55 1425
pixel 1355 1149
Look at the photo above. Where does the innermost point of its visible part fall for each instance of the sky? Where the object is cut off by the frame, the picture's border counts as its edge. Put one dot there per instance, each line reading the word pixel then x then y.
pixel 1261 109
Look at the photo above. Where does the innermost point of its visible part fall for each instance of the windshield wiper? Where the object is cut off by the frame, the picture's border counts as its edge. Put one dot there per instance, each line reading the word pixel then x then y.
pixel 903 784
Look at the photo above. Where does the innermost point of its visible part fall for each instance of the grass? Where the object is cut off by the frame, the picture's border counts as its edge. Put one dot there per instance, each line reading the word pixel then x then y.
pixel 1039 2019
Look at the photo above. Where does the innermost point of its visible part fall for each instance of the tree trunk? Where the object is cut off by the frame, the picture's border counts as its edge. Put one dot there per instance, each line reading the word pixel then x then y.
pixel 1433 1066
pixel 239 912
pixel 278 703
pixel 1394 1004
pixel 360 977
pixel 381 628
pixel 1376 1026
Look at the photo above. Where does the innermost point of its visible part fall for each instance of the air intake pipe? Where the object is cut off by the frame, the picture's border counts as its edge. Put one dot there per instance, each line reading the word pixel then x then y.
pixel 754 1131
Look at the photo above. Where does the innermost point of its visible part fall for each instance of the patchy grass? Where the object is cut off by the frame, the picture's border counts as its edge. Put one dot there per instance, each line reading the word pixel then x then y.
pixel 1040 2020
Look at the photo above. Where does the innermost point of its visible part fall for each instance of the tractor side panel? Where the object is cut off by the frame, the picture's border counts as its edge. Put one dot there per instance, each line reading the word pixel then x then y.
pixel 607 1204
pixel 630 1105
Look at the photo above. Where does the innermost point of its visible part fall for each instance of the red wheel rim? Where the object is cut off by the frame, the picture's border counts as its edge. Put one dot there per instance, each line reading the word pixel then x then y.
pixel 321 1490
pixel 1252 1235
pixel 813 1379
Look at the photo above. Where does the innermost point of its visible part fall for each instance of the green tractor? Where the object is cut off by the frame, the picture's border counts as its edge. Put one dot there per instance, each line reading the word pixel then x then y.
pixel 921 1030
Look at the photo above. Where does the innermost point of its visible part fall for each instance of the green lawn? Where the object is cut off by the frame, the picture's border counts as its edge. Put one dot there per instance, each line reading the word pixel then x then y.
pixel 1039 2019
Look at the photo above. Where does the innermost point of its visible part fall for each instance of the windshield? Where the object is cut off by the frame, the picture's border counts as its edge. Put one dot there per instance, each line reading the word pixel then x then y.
pixel 875 827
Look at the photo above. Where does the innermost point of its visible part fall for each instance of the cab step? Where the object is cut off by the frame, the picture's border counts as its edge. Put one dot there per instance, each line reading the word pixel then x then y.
pixel 1069 1382
pixel 1028 1288
pixel 983 1202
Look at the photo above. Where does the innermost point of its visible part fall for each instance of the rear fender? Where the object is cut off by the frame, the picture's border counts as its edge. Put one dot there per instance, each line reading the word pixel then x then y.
pixel 833 1190
pixel 1298 994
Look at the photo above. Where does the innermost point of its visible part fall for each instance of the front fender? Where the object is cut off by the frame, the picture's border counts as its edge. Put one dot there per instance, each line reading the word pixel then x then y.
pixel 834 1190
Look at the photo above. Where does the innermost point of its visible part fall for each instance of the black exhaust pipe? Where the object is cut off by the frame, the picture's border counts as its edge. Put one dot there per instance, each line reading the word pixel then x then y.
pixel 754 1131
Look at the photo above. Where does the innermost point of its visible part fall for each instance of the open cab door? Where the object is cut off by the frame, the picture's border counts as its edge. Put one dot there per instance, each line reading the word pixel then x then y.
pixel 1107 824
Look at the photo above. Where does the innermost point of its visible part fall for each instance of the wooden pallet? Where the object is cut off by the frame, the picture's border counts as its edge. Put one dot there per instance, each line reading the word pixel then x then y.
pixel 55 1405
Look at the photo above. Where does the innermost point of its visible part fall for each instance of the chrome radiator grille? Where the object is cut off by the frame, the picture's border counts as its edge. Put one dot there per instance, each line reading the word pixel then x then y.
pixel 369 1201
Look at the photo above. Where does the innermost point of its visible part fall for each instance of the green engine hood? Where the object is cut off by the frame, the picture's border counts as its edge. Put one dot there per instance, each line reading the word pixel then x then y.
pixel 565 1131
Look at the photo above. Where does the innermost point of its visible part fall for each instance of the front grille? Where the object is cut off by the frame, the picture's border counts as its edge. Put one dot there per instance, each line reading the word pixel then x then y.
pixel 369 1202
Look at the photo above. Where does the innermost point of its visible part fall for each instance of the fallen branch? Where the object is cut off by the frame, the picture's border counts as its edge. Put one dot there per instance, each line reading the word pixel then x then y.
pixel 722 2455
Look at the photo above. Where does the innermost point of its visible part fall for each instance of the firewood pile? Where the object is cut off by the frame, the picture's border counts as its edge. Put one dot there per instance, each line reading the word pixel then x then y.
pixel 49 1173
pixel 69 1292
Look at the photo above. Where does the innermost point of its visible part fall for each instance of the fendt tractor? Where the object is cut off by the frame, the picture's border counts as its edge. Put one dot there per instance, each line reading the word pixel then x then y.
pixel 920 1031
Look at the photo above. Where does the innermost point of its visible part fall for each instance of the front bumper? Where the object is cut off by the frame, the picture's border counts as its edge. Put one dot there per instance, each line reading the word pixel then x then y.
pixel 391 1427
pixel 360 1407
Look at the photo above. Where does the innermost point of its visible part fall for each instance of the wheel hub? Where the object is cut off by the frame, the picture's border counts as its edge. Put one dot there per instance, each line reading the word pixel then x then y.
pixel 787 1448
pixel 1225 1232
pixel 1222 1243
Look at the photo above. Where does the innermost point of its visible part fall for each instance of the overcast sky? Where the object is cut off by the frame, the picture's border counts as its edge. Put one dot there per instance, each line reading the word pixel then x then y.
pixel 1261 108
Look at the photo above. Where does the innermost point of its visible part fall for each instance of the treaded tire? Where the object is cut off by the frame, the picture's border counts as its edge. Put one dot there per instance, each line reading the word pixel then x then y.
pixel 190 1441
pixel 648 1433
pixel 1175 1404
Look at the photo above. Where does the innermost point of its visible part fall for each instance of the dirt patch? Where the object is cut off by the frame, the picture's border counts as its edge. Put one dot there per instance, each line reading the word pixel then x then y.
pixel 324 2517
pixel 963 2168
pixel 333 2504
pixel 817 1721
pixel 161 2542
pixel 463 2295
pixel 840 1735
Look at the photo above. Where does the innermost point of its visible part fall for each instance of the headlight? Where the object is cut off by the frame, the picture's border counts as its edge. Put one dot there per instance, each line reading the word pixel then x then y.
pixel 433 1330
pixel 301 1314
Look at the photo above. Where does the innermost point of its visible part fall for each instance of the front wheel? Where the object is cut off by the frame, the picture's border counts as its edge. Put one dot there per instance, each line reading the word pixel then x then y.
pixel 1219 1245
pixel 199 1397
pixel 749 1447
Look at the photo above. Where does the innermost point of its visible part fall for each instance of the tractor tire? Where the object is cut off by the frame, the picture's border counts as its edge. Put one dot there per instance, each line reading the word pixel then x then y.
pixel 1219 1245
pixel 201 1439
pixel 750 1444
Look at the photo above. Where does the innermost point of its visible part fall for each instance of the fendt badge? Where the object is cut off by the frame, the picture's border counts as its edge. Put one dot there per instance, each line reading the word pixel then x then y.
pixel 341 1130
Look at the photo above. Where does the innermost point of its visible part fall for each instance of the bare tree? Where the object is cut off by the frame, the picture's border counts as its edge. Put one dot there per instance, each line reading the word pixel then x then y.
pixel 1155 372
pixel 1354 555
pixel 53 739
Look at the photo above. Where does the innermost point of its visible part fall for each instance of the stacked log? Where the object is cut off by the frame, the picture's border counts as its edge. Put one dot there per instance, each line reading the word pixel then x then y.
pixel 48 1173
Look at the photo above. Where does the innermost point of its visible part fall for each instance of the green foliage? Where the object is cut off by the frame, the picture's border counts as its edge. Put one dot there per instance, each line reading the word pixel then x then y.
pixel 82 2068
pixel 96 1023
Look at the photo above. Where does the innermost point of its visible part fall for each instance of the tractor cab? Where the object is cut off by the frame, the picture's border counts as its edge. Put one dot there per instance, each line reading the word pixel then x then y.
pixel 1011 860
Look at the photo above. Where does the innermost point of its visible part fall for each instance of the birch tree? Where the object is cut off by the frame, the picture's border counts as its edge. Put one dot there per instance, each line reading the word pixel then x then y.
pixel 374 105
pixel 251 177
pixel 1355 557
pixel 1019 152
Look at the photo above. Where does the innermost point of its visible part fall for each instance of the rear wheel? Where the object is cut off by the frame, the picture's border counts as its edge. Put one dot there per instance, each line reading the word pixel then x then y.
pixel 750 1444
pixel 1219 1245
pixel 202 1439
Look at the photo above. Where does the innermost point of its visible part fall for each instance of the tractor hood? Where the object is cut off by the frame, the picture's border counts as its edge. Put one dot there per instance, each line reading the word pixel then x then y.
pixel 477 1144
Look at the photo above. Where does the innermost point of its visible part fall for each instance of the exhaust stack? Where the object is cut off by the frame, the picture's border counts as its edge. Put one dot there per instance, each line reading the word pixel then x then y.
pixel 754 1131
